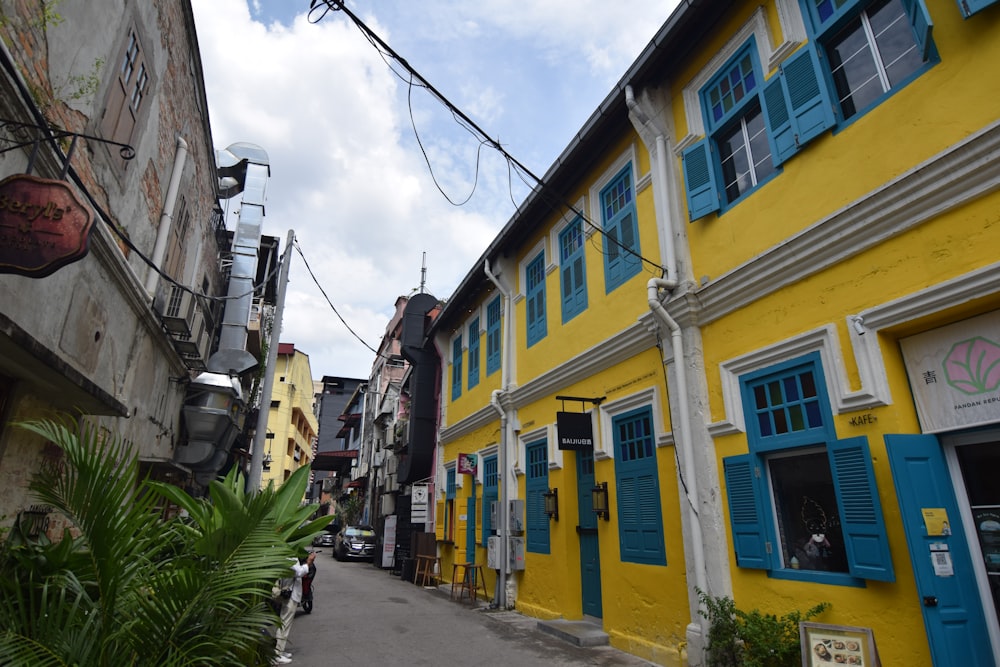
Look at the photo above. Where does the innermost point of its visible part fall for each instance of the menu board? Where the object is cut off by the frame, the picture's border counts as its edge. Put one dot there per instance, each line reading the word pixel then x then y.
pixel 837 645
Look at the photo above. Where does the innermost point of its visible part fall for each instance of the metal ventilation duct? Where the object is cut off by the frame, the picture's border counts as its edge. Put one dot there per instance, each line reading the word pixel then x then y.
pixel 243 168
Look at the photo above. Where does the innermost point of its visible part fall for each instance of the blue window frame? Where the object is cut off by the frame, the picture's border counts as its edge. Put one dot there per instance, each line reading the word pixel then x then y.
pixel 802 504
pixel 456 367
pixel 970 7
pixel 474 353
pixel 738 153
pixel 573 270
pixel 621 231
pixel 534 292
pixel 871 49
pixel 490 495
pixel 640 517
pixel 493 336
pixel 536 485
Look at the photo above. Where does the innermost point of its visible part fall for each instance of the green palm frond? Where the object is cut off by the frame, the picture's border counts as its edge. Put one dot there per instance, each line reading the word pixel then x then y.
pixel 123 586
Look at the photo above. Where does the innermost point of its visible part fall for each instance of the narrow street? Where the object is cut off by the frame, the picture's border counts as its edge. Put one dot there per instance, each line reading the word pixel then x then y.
pixel 364 615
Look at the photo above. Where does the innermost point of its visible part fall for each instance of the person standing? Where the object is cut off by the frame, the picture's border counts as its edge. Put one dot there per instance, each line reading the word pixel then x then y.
pixel 301 568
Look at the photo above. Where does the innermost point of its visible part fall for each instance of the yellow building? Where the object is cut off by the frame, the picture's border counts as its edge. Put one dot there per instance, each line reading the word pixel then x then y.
pixel 767 269
pixel 291 423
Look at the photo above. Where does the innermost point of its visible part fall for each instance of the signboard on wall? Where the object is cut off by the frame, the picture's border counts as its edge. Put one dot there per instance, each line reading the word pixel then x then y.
pixel 43 225
pixel 467 464
pixel 576 430
pixel 954 373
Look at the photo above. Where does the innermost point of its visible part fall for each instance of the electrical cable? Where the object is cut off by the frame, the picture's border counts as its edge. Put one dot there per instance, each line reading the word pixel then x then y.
pixel 333 307
pixel 324 7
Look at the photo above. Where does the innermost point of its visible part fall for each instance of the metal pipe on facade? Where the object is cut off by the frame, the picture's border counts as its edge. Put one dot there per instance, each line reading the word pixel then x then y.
pixel 257 451
pixel 503 464
pixel 166 217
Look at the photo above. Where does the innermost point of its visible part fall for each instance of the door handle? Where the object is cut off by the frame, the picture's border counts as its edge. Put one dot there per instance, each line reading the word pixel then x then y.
pixel 930 601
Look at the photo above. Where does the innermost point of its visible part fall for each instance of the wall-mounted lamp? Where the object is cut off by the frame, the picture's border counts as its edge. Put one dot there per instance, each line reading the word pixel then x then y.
pixel 551 498
pixel 599 500
pixel 266 462
pixel 858 323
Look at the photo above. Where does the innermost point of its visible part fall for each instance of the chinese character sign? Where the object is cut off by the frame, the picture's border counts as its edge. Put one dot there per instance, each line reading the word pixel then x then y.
pixel 467 464
pixel 954 373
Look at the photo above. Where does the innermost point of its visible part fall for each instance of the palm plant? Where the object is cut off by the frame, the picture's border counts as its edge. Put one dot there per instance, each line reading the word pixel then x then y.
pixel 125 587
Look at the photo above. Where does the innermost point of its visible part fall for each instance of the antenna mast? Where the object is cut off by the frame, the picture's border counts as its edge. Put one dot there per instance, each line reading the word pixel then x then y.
pixel 423 272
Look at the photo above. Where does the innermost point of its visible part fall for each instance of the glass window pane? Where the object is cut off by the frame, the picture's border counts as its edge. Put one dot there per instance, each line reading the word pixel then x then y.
pixel 760 398
pixel 805 504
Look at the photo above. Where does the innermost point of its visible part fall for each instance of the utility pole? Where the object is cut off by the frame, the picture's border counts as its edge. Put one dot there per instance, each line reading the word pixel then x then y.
pixel 257 452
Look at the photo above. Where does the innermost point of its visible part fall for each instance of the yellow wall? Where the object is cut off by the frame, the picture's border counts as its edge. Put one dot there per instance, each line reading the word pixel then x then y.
pixel 943 106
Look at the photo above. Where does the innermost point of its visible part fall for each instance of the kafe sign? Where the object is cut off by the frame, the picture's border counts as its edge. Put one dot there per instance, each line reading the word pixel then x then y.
pixel 43 226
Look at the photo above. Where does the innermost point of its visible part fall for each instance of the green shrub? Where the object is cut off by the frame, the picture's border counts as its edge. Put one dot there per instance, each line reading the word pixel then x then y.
pixel 738 638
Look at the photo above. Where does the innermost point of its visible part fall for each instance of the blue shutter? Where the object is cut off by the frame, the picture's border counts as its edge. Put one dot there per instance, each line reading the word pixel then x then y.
pixel 970 7
pixel 640 518
pixel 470 528
pixel 808 98
pixel 920 21
pixel 779 121
pixel 493 336
pixel 699 180
pixel 534 303
pixel 860 510
pixel 749 539
pixel 474 353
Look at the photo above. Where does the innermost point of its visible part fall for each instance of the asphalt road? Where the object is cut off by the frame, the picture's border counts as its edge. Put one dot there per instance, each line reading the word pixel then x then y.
pixel 366 616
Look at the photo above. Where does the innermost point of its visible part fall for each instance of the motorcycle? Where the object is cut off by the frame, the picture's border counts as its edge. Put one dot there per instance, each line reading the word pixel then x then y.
pixel 307 590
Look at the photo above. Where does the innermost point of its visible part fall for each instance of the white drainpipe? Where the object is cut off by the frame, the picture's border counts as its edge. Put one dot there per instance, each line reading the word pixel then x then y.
pixel 505 437
pixel 166 218
pixel 682 430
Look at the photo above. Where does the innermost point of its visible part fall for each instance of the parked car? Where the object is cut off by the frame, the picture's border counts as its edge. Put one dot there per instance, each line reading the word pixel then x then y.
pixel 355 542
pixel 324 539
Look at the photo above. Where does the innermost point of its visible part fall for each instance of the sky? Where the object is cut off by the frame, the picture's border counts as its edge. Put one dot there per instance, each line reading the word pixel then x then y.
pixel 369 198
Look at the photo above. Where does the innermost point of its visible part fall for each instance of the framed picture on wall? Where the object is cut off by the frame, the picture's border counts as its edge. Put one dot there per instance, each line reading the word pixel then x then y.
pixel 827 645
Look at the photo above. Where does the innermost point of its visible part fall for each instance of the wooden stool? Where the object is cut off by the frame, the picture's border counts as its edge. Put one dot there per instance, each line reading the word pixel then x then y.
pixel 427 569
pixel 472 575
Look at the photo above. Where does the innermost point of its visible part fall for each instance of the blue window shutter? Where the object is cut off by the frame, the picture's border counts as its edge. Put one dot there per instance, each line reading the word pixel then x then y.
pixel 536 484
pixel 470 529
pixel 970 7
pixel 779 121
pixel 474 353
pixel 808 98
pixel 640 519
pixel 456 368
pixel 534 302
pixel 920 21
pixel 745 514
pixel 493 336
pixel 860 510
pixel 699 180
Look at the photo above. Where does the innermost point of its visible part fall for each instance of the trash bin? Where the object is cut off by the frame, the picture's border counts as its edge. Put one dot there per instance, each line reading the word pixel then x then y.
pixel 409 569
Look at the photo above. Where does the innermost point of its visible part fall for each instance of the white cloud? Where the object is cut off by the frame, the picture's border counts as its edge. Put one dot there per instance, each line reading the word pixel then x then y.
pixel 346 171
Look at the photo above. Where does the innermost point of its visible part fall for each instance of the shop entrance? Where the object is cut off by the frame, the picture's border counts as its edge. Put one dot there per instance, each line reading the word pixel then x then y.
pixel 949 563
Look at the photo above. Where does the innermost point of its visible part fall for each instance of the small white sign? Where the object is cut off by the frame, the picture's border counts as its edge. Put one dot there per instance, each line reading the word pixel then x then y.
pixel 941 558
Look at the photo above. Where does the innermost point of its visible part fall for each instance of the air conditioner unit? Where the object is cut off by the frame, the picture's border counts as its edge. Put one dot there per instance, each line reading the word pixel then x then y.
pixel 194 346
pixel 177 307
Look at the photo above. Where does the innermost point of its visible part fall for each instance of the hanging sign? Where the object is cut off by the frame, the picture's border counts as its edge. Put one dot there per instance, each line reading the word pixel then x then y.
pixel 467 464
pixel 43 226
pixel 954 373
pixel 576 430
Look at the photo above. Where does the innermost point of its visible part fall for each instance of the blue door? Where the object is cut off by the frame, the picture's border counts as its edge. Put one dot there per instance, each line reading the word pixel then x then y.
pixel 470 528
pixel 953 611
pixel 590 553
